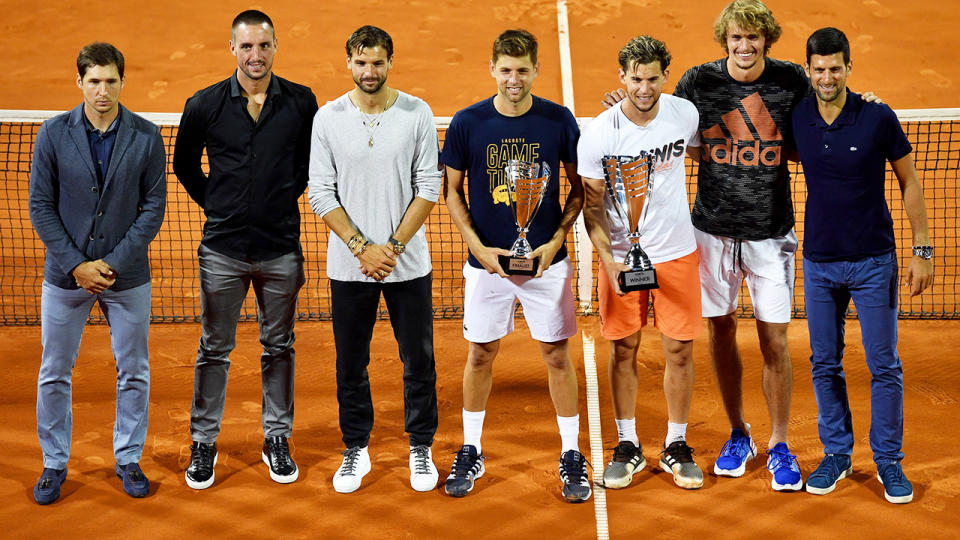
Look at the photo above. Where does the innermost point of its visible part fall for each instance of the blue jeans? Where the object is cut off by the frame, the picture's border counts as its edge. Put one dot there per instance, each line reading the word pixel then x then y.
pixel 224 283
pixel 828 288
pixel 63 315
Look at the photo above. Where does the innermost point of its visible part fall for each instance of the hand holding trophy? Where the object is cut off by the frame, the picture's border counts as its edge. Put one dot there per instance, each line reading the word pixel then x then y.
pixel 526 186
pixel 627 180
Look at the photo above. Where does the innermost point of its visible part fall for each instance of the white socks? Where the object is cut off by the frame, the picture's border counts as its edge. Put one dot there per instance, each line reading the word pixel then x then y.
pixel 473 428
pixel 569 432
pixel 675 432
pixel 627 430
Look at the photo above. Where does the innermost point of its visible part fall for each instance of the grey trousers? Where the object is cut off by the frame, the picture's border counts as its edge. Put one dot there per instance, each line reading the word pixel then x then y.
pixel 63 315
pixel 224 283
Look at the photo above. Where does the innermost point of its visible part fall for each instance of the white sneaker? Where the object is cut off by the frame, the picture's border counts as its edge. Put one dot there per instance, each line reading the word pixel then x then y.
pixel 423 473
pixel 356 464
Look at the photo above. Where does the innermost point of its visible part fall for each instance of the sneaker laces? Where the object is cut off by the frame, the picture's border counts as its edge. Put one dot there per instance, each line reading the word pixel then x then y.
pixel 45 482
pixel 279 452
pixel 573 468
pixel 892 474
pixel 351 457
pixel 463 465
pixel 778 458
pixel 679 451
pixel 624 451
pixel 421 459
pixel 830 467
pixel 202 456
pixel 738 446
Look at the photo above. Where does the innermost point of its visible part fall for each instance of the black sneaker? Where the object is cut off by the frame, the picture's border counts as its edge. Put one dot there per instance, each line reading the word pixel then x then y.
pixel 276 454
pixel 466 468
pixel 573 474
pixel 677 459
pixel 627 461
pixel 203 457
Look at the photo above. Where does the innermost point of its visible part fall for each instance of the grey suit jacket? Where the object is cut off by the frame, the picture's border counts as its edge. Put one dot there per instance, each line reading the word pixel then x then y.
pixel 78 221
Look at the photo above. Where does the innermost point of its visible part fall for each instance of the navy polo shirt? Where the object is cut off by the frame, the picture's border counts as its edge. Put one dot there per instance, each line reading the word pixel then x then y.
pixel 101 146
pixel 844 163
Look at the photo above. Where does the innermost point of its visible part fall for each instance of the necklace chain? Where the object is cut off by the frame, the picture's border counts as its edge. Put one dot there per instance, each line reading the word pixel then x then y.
pixel 371 121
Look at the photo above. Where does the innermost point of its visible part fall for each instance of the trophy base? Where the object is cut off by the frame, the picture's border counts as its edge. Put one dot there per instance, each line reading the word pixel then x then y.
pixel 519 266
pixel 638 280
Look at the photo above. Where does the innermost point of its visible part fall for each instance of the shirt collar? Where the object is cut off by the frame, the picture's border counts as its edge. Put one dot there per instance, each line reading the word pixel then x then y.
pixel 114 126
pixel 848 115
pixel 235 90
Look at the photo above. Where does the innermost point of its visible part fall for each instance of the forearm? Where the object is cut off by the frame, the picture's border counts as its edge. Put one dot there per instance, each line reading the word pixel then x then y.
pixel 414 218
pixel 460 214
pixel 595 219
pixel 913 203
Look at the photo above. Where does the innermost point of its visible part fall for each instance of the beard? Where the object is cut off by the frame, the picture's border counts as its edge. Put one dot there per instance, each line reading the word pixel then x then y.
pixel 380 82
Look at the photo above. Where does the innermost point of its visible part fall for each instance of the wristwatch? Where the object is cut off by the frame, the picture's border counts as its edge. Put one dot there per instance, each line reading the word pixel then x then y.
pixel 398 246
pixel 924 252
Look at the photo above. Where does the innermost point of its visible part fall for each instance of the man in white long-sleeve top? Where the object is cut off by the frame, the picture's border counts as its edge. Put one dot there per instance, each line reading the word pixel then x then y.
pixel 374 179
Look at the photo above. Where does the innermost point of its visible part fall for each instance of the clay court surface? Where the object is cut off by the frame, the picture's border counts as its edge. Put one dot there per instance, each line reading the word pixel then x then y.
pixel 903 51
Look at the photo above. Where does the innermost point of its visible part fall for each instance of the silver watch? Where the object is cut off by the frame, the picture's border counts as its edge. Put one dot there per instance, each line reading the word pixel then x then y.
pixel 924 252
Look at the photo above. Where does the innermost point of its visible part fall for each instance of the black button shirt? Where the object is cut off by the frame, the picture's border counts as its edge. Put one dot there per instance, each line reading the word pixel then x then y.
pixel 258 169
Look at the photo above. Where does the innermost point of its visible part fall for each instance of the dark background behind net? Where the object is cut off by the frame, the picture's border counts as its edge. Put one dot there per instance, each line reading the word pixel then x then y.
pixel 174 258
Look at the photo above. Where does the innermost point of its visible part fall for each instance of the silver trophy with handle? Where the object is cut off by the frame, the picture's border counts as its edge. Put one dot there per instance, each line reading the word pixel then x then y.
pixel 627 180
pixel 526 186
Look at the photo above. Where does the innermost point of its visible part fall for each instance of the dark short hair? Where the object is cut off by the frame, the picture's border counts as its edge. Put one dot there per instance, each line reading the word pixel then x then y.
pixel 367 37
pixel 251 17
pixel 643 50
pixel 827 41
pixel 515 43
pixel 99 54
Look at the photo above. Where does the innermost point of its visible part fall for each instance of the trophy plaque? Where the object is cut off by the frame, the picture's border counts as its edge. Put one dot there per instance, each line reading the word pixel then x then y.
pixel 526 186
pixel 627 180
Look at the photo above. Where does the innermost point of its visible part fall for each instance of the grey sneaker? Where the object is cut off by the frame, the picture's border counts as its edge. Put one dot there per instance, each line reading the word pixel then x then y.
pixel 677 459
pixel 627 461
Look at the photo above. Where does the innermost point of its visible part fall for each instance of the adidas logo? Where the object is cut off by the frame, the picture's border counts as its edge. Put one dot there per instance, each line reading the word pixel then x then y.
pixel 741 147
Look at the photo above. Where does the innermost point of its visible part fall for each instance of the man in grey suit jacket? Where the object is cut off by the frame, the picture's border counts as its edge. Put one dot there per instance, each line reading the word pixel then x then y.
pixel 97 196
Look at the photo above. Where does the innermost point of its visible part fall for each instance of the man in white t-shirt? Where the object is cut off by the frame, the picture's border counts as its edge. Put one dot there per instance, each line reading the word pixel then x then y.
pixel 662 126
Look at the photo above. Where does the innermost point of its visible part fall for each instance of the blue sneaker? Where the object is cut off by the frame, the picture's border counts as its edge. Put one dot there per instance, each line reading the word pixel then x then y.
pixel 832 468
pixel 134 482
pixel 735 454
pixel 784 468
pixel 47 489
pixel 896 488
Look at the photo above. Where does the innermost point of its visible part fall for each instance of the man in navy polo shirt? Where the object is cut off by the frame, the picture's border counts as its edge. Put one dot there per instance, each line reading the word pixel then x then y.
pixel 849 252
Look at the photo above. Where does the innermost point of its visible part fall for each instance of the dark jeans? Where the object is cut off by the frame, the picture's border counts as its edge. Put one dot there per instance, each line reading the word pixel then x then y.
pixel 828 288
pixel 410 304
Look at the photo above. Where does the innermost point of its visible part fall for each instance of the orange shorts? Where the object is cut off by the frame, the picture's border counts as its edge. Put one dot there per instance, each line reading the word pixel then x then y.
pixel 676 304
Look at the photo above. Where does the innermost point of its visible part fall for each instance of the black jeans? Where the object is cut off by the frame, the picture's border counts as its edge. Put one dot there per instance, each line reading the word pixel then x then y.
pixel 410 305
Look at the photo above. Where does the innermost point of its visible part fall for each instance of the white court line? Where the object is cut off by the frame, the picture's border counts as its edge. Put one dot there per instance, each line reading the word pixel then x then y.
pixel 581 241
pixel 596 440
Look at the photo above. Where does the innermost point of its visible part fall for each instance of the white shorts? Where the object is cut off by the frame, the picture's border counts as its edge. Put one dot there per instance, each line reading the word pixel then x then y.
pixel 766 265
pixel 489 302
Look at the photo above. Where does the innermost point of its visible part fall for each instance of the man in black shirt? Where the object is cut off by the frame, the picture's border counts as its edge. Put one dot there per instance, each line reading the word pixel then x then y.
pixel 255 128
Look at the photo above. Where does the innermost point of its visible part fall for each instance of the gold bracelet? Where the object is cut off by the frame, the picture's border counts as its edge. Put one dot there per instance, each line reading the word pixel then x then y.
pixel 357 244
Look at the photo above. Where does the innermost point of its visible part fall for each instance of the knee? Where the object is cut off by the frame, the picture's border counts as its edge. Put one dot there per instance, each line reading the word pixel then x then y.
pixel 624 351
pixel 678 354
pixel 481 355
pixel 722 326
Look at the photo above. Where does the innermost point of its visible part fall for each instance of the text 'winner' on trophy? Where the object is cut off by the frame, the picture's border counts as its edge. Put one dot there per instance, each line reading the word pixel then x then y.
pixel 527 184
pixel 627 180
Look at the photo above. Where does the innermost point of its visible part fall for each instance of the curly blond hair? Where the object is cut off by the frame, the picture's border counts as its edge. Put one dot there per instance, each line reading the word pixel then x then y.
pixel 749 15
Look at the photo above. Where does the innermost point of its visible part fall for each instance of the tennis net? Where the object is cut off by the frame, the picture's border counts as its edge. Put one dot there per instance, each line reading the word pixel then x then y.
pixel 935 135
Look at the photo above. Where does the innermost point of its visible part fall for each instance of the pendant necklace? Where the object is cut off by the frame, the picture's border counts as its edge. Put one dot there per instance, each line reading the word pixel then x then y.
pixel 371 121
